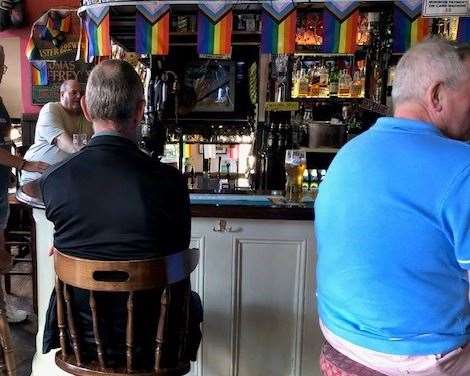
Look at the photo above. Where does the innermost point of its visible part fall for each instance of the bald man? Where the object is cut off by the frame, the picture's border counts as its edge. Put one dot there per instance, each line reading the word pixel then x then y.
pixel 57 122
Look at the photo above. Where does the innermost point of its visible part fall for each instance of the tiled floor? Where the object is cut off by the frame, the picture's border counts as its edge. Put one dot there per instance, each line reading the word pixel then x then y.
pixel 24 334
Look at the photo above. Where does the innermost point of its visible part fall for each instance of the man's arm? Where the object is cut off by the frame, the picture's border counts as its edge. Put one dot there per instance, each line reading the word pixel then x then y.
pixel 7 159
pixel 64 142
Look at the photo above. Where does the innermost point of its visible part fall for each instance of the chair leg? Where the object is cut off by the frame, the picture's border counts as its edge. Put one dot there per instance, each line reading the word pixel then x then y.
pixel 7 283
pixel 7 344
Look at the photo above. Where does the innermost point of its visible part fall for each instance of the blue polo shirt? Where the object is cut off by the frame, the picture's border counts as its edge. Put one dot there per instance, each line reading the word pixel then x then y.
pixel 392 220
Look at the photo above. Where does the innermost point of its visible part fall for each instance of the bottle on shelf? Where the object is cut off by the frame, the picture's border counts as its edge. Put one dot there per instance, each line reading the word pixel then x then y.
pixel 303 84
pixel 344 84
pixel 314 85
pixel 356 85
pixel 323 82
pixel 333 79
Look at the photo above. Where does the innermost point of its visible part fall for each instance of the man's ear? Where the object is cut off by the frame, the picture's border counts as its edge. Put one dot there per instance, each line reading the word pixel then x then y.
pixel 85 109
pixel 434 96
pixel 139 111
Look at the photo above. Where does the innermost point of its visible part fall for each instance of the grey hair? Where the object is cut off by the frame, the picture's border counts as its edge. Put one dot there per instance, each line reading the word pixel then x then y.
pixel 113 92
pixel 434 60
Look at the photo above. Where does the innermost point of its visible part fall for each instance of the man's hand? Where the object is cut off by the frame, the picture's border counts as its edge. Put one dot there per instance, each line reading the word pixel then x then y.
pixel 6 261
pixel 35 166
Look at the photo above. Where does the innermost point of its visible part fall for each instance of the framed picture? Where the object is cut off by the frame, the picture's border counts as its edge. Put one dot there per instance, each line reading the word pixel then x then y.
pixel 220 149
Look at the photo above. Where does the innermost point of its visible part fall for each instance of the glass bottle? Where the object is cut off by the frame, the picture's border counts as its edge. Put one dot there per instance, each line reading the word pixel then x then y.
pixel 333 82
pixel 323 81
pixel 344 84
pixel 303 84
pixel 356 86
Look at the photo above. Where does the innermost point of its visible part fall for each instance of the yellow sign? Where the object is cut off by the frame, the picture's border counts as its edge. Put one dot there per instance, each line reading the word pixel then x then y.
pixel 282 106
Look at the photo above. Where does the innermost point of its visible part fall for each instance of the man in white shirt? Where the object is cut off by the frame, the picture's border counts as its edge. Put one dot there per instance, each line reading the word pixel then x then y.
pixel 56 125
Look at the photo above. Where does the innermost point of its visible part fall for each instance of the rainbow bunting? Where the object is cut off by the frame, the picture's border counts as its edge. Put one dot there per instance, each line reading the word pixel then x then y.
pixel 32 52
pixel 339 37
pixel 408 32
pixel 39 73
pixel 214 38
pixel 463 31
pixel 278 37
pixel 152 36
pixel 97 30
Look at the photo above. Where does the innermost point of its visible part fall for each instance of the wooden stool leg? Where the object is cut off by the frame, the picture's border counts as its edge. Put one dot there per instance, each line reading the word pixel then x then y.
pixel 7 283
pixel 7 345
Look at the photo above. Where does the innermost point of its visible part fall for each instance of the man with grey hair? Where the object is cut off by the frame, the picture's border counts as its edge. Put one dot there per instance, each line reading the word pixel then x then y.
pixel 57 124
pixel 392 221
pixel 111 201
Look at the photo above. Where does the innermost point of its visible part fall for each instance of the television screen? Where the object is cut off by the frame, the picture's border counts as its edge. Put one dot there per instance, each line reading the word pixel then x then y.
pixel 213 85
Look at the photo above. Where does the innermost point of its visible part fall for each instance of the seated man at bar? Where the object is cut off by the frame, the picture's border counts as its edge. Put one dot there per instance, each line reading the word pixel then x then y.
pixel 57 123
pixel 392 220
pixel 111 201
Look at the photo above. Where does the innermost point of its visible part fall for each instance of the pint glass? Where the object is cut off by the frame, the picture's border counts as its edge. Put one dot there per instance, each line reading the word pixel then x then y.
pixel 295 166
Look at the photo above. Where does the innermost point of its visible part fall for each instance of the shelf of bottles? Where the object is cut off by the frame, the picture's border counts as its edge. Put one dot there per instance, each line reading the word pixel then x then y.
pixel 328 76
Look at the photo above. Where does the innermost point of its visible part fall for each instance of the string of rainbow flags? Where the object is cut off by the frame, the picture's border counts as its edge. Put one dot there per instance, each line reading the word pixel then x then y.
pixel 278 30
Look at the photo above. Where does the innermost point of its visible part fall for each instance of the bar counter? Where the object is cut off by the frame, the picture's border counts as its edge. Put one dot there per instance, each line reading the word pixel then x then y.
pixel 256 279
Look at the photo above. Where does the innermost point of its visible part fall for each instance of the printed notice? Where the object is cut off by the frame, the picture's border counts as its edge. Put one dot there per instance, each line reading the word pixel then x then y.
pixel 437 8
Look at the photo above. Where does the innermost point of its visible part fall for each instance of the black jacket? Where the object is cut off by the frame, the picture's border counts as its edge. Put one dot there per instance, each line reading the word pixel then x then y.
pixel 111 201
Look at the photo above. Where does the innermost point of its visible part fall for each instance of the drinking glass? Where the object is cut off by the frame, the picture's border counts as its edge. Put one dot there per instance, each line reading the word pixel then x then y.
pixel 79 140
pixel 295 163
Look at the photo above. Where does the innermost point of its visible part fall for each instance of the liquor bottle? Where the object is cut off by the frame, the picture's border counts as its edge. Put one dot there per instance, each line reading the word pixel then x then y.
pixel 323 81
pixel 303 84
pixel 356 85
pixel 333 82
pixel 344 84
pixel 314 84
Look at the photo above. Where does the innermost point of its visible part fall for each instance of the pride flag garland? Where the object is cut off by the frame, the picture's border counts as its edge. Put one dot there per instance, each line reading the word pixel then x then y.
pixel 39 73
pixel 339 37
pixel 97 32
pixel 152 30
pixel 278 37
pixel 408 32
pixel 214 38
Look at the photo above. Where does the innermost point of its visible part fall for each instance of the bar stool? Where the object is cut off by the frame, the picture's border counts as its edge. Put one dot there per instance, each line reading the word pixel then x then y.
pixel 20 234
pixel 7 358
pixel 333 363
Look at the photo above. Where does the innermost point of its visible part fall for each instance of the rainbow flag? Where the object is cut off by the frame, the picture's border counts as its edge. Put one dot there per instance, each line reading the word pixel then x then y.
pixel 214 38
pixel 152 38
pixel 463 31
pixel 408 32
pixel 97 30
pixel 278 37
pixel 39 73
pixel 32 52
pixel 340 37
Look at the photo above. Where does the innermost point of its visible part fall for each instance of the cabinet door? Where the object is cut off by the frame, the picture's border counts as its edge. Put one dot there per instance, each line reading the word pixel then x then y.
pixel 257 285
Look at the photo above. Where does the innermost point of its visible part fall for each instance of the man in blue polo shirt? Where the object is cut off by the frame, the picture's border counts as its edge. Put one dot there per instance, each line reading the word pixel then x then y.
pixel 392 221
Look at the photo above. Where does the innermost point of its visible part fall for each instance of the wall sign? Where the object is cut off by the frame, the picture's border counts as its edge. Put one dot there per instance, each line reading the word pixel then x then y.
pixel 58 72
pixel 439 8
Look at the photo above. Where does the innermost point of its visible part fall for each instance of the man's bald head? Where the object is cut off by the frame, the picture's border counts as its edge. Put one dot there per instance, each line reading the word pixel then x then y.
pixel 70 95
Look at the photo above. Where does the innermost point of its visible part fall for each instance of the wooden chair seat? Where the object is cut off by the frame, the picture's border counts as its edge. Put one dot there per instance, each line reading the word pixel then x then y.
pixel 124 277
pixel 69 365
pixel 334 363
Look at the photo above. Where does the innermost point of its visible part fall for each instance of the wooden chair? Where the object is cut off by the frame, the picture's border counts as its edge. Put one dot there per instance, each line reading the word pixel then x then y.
pixel 7 358
pixel 128 277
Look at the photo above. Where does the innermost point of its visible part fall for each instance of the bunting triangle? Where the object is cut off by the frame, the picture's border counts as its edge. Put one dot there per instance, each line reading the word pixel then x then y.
pixel 411 7
pixel 279 9
pixel 153 11
pixel 215 10
pixel 341 8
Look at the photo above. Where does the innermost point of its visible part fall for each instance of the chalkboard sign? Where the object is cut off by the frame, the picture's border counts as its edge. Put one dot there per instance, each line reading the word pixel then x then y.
pixel 58 72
